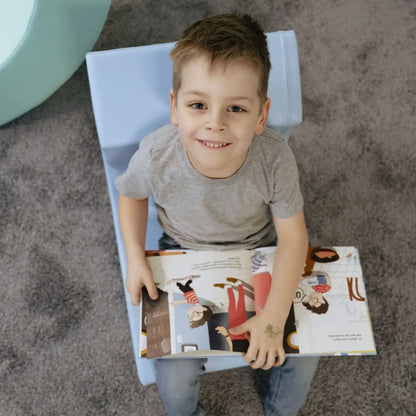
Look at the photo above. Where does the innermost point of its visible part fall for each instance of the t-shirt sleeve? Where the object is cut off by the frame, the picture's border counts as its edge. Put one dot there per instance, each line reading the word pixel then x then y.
pixel 287 198
pixel 134 182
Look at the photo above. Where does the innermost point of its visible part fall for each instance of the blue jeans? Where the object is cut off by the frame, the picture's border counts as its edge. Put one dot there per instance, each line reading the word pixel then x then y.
pixel 178 379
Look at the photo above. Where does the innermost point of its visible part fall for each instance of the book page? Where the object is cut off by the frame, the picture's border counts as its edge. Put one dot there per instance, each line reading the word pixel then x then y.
pixel 198 287
pixel 331 310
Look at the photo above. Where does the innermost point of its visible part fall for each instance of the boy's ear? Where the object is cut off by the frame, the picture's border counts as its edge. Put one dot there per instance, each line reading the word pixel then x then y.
pixel 173 117
pixel 264 114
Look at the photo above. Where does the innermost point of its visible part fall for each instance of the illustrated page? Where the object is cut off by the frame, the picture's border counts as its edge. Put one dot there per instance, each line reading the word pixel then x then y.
pixel 207 293
pixel 331 311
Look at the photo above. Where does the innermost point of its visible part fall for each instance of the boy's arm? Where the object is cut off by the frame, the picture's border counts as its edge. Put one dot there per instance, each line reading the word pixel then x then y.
pixel 265 331
pixel 133 221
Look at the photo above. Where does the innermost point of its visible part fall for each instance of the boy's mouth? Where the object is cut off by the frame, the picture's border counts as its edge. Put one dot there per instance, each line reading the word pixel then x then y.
pixel 213 145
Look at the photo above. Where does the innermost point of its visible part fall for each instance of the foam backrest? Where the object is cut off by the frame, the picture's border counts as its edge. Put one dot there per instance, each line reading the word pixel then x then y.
pixel 130 89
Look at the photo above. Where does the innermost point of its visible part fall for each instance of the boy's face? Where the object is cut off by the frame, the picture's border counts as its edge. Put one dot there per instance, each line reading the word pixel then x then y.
pixel 218 110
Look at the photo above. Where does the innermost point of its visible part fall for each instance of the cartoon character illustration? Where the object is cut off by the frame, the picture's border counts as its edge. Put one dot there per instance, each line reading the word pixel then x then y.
pixel 320 282
pixel 324 254
pixel 319 255
pixel 237 313
pixel 257 261
pixel 249 288
pixel 198 314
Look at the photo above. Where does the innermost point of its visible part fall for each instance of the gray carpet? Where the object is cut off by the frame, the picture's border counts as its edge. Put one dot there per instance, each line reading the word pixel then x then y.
pixel 65 345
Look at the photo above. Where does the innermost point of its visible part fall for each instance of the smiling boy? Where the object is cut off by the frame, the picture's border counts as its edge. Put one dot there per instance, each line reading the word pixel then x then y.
pixel 221 180
pixel 217 111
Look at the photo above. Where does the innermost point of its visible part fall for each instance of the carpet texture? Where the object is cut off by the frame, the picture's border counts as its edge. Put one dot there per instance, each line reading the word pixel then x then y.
pixel 65 345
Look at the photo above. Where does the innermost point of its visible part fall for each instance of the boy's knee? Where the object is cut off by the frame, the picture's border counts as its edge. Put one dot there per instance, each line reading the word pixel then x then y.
pixel 178 375
pixel 178 383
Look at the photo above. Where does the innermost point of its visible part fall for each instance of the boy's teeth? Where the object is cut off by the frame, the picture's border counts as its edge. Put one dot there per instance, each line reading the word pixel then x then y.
pixel 210 144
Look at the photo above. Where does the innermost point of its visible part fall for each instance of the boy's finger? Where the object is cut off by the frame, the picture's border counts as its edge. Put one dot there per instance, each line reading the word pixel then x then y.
pixel 259 363
pixel 251 355
pixel 271 361
pixel 152 290
pixel 134 298
pixel 280 359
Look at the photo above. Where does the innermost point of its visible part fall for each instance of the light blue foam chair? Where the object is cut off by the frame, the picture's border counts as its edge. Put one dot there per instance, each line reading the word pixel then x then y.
pixel 130 98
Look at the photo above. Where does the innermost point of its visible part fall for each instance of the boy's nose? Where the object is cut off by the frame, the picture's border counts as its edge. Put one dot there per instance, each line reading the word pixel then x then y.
pixel 216 121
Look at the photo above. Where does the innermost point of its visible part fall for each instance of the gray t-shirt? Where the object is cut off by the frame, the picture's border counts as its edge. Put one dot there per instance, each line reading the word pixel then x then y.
pixel 202 213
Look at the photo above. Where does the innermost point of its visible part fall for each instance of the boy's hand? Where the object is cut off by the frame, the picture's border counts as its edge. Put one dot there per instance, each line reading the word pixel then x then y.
pixel 266 341
pixel 139 274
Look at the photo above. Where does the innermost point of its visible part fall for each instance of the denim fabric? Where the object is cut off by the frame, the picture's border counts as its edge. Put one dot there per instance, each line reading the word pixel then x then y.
pixel 167 243
pixel 289 386
pixel 178 379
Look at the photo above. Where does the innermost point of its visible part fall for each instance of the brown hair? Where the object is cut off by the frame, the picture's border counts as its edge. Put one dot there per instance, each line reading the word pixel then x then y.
pixel 224 38
pixel 317 309
pixel 324 255
pixel 206 316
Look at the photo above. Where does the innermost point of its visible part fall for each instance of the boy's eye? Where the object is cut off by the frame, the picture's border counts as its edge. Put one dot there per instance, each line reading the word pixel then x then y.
pixel 236 109
pixel 198 106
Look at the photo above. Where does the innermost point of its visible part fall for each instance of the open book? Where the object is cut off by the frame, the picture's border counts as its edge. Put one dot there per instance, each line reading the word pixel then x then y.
pixel 204 293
